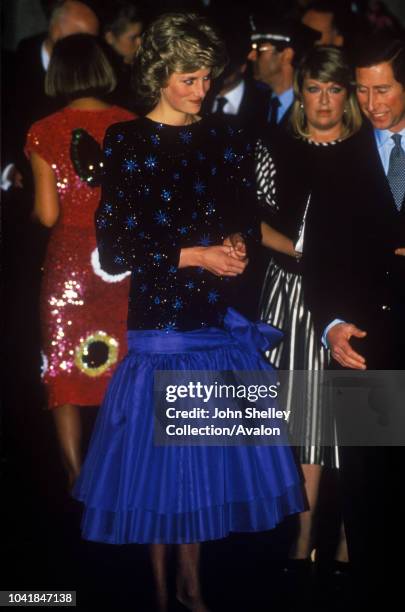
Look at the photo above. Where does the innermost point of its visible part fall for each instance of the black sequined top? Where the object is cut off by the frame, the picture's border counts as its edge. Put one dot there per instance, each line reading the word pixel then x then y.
pixel 169 187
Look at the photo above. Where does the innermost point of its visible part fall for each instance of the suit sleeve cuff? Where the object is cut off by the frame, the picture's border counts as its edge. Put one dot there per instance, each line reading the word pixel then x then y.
pixel 327 328
pixel 5 177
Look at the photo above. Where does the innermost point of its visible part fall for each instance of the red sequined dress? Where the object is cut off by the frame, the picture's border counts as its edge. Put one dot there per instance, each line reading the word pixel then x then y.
pixel 83 309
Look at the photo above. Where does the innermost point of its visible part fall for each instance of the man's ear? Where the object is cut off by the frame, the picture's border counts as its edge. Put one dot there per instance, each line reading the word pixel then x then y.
pixel 287 55
pixel 338 40
pixel 242 68
pixel 109 37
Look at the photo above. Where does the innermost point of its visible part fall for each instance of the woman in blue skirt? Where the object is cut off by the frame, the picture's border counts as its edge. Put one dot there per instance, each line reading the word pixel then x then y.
pixel 178 210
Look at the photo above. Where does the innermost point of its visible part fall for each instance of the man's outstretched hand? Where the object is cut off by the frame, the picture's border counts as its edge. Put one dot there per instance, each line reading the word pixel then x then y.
pixel 338 341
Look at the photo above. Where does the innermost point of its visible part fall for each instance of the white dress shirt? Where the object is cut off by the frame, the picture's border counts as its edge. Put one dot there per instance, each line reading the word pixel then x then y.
pixel 385 144
pixel 5 181
pixel 45 57
pixel 233 99
pixel 285 99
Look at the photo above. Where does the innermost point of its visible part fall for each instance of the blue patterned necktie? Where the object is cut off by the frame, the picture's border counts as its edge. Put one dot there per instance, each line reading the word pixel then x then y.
pixel 396 171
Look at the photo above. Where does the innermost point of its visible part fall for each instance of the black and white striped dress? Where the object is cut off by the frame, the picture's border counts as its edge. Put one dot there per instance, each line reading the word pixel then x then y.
pixel 282 304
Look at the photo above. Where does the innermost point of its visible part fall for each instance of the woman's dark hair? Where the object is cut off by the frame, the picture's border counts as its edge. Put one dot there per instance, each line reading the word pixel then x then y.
pixel 120 16
pixel 175 42
pixel 79 68
pixel 325 64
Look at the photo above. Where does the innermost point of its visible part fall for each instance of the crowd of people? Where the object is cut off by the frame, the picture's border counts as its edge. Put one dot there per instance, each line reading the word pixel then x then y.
pixel 236 173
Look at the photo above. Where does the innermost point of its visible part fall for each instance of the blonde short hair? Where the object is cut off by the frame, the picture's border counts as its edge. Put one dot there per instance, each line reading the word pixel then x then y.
pixel 175 42
pixel 325 64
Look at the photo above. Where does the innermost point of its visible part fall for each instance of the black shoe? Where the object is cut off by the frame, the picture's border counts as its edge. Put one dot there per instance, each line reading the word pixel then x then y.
pixel 297 567
pixel 297 583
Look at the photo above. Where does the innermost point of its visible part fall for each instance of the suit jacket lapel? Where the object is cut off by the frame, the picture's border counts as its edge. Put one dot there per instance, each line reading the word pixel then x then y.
pixel 380 178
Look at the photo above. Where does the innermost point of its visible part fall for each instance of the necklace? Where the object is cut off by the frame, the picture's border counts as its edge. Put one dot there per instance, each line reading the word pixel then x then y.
pixel 324 144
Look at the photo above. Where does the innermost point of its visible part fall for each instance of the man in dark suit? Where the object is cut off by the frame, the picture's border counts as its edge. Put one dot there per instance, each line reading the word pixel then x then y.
pixel 329 18
pixel 235 93
pixel 276 48
pixel 31 63
pixel 354 282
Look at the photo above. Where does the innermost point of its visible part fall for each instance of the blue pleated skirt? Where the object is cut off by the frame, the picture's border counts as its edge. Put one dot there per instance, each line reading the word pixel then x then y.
pixel 134 491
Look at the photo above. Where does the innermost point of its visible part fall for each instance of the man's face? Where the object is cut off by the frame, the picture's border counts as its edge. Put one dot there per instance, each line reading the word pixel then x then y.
pixel 381 97
pixel 323 23
pixel 127 43
pixel 77 18
pixel 266 60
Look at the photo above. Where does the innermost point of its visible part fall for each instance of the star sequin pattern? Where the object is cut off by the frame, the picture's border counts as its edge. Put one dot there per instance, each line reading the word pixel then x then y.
pixel 131 222
pixel 178 304
pixel 161 217
pixel 185 136
pixel 229 154
pixel 166 195
pixel 205 240
pixel 170 327
pixel 213 297
pixel 130 165
pixel 102 222
pixel 151 162
pixel 199 187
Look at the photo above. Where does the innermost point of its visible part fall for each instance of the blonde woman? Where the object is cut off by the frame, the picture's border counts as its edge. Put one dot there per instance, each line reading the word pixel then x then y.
pixel 325 116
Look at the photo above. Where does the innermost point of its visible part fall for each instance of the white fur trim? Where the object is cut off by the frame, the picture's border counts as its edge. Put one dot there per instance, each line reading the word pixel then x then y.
pixel 108 278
